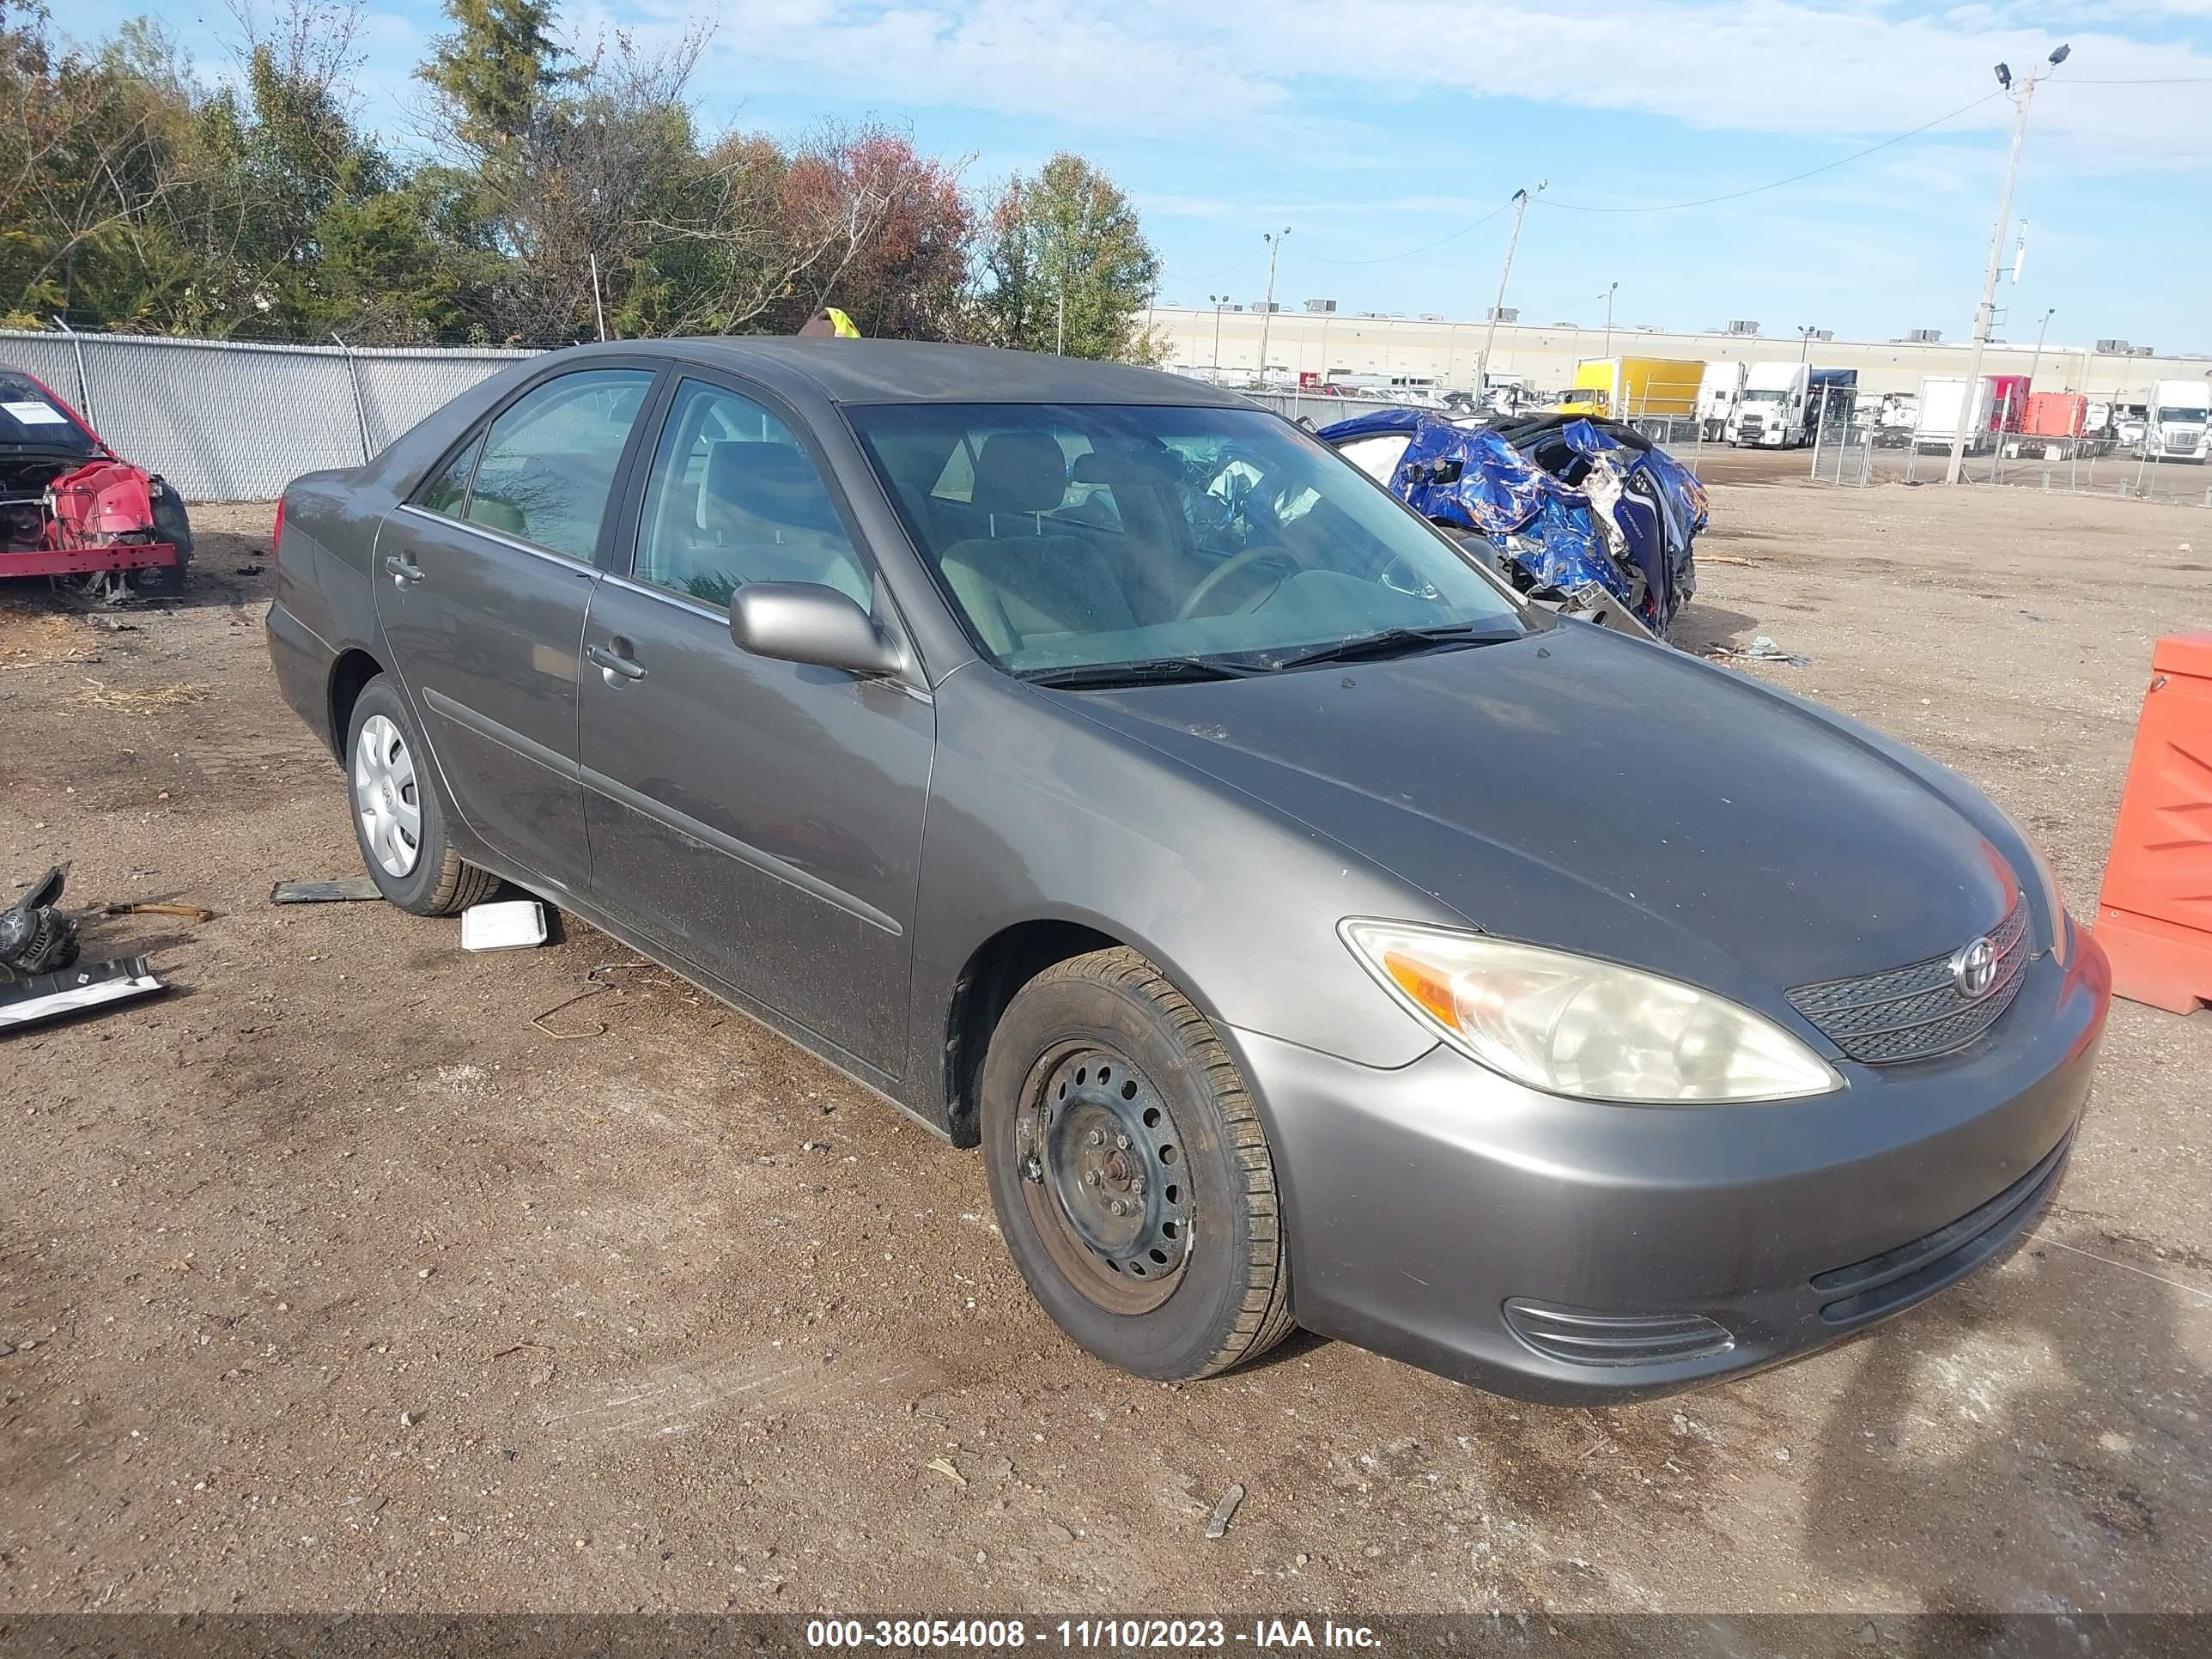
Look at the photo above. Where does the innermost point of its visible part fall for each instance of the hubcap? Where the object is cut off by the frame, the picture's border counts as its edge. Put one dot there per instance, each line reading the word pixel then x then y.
pixel 385 797
pixel 1105 1180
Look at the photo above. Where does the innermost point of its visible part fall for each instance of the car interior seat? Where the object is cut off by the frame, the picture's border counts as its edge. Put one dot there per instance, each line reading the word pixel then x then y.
pixel 1020 578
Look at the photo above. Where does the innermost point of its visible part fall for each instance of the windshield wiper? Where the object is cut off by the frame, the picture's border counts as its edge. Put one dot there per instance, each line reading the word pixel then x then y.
pixel 1396 642
pixel 1151 672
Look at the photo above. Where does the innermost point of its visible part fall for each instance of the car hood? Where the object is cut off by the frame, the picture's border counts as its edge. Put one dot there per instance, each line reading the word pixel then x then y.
pixel 1601 794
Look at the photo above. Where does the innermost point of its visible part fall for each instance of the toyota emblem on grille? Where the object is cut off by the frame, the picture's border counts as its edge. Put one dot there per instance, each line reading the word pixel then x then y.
pixel 1974 969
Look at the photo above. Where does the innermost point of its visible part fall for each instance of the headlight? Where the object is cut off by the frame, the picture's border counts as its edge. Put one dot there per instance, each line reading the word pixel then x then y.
pixel 2054 901
pixel 1572 1026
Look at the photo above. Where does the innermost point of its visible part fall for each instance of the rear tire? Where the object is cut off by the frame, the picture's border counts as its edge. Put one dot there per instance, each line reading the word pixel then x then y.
pixel 398 817
pixel 1103 1087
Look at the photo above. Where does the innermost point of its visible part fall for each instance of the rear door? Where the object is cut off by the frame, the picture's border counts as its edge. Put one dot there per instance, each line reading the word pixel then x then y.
pixel 484 577
pixel 760 820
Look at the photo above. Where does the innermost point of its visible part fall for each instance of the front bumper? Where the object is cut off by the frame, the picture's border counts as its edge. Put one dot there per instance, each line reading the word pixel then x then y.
pixel 83 561
pixel 1421 1201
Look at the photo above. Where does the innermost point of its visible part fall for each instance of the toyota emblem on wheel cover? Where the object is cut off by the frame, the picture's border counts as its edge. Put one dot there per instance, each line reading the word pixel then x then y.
pixel 1974 969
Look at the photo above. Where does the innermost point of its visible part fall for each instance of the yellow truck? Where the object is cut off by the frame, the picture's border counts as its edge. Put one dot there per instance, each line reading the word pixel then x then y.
pixel 1626 387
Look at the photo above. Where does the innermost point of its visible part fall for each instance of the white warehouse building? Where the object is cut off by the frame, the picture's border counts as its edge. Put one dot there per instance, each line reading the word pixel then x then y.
pixel 1328 345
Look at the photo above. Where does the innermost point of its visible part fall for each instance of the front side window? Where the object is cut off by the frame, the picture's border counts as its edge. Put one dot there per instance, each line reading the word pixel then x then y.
pixel 1083 536
pixel 549 461
pixel 733 499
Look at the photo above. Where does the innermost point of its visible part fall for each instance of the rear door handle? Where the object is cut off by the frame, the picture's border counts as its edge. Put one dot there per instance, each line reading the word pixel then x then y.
pixel 615 667
pixel 403 571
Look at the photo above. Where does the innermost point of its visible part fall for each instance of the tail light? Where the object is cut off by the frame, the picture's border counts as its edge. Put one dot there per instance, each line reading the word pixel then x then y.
pixel 277 535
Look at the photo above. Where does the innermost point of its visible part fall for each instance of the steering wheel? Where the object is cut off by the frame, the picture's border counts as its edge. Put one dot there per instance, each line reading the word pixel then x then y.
pixel 1235 565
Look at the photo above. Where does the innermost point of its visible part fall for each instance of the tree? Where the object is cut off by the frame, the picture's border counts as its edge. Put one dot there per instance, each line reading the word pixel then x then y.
pixel 494 70
pixel 1066 262
pixel 771 234
pixel 907 276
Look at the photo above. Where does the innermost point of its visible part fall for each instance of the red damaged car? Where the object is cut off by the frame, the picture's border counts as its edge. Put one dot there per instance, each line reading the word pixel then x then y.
pixel 71 507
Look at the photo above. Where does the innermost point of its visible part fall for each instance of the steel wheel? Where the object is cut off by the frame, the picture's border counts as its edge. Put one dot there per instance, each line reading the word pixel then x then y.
pixel 387 797
pixel 1104 1178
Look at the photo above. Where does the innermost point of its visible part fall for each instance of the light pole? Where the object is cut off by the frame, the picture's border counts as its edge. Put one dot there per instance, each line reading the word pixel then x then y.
pixel 1805 333
pixel 1490 336
pixel 1219 301
pixel 2041 329
pixel 1267 309
pixel 1985 313
pixel 1609 293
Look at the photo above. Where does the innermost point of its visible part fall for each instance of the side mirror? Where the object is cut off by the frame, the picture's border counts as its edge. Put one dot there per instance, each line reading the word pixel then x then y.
pixel 807 622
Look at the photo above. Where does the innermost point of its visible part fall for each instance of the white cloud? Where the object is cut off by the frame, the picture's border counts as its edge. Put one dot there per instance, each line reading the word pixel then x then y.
pixel 1274 72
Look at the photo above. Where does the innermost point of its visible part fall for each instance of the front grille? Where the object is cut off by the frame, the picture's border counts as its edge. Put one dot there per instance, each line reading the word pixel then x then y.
pixel 1581 1336
pixel 1883 1283
pixel 1917 1012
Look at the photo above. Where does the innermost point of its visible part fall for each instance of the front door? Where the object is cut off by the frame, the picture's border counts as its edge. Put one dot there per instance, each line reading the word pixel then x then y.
pixel 760 820
pixel 483 580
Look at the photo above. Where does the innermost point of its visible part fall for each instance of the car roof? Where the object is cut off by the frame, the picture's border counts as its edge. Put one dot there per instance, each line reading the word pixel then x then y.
pixel 912 371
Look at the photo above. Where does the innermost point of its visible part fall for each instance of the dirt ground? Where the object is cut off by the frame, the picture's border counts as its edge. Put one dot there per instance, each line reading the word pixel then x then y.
pixel 330 1281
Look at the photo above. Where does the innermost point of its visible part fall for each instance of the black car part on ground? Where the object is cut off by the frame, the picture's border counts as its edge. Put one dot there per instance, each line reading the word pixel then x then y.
pixel 36 937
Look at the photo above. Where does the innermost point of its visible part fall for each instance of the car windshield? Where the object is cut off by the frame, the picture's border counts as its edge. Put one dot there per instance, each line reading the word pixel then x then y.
pixel 1763 395
pixel 2184 414
pixel 31 419
pixel 1081 537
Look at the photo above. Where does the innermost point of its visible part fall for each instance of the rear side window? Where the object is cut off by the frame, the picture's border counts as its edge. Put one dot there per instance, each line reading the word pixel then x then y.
pixel 449 492
pixel 548 463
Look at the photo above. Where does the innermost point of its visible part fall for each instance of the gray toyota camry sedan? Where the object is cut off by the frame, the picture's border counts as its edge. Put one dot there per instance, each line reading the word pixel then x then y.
pixel 1308 931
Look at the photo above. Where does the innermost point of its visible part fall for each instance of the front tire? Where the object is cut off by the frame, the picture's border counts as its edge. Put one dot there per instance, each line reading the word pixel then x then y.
pixel 171 523
pixel 398 816
pixel 1131 1174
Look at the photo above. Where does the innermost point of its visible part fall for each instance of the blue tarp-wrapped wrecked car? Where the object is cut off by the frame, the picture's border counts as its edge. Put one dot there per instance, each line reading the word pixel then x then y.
pixel 1587 514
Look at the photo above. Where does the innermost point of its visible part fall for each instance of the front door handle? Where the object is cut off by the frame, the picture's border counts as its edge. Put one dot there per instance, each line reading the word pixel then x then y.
pixel 614 663
pixel 403 571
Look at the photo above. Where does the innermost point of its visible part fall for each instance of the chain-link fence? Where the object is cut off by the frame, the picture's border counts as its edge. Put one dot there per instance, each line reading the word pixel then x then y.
pixel 229 421
pixel 1857 450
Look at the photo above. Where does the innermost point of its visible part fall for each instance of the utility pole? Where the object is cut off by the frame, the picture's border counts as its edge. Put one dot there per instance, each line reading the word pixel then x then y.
pixel 1805 333
pixel 1490 336
pixel 1218 301
pixel 598 307
pixel 1609 293
pixel 1059 328
pixel 1985 314
pixel 1268 311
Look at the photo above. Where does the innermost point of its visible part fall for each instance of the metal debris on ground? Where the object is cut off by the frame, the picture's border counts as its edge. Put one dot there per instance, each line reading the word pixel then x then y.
pixel 346 890
pixel 595 986
pixel 35 937
pixel 1762 648
pixel 507 925
pixel 190 912
pixel 49 996
pixel 1217 1524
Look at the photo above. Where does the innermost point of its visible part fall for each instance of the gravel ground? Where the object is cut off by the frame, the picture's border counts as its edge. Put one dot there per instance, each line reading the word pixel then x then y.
pixel 330 1281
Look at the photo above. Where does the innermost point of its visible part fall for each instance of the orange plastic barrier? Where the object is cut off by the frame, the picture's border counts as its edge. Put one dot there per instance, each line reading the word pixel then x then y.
pixel 2155 916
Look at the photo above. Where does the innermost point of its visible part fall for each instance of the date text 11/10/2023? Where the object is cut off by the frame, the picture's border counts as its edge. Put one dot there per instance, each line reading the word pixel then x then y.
pixel 1262 1635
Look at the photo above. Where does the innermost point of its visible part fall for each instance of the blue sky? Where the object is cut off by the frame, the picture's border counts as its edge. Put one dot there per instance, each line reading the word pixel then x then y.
pixel 1373 128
